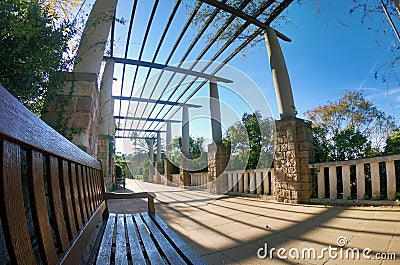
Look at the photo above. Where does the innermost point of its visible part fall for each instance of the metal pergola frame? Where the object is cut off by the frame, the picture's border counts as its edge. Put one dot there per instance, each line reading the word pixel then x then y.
pixel 155 119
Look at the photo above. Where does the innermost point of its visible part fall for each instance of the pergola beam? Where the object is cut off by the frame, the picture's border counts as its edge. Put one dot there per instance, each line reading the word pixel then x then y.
pixel 155 101
pixel 168 68
pixel 134 137
pixel 144 119
pixel 139 130
pixel 244 16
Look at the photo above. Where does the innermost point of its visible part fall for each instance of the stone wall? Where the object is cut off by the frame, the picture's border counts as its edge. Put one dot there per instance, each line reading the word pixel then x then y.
pixel 293 152
pixel 218 158
pixel 74 112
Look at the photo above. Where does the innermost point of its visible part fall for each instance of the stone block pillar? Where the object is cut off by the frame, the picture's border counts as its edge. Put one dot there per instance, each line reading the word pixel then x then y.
pixel 218 158
pixel 168 171
pixel 74 111
pixel 293 152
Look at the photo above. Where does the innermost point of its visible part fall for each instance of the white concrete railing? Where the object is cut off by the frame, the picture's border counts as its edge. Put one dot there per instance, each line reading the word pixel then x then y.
pixel 199 180
pixel 254 181
pixel 360 177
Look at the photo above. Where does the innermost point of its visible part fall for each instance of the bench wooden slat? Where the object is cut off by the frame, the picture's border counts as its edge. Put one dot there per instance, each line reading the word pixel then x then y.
pixel 171 254
pixel 66 195
pixel 151 249
pixel 56 206
pixel 21 125
pixel 121 255
pixel 74 254
pixel 39 207
pixel 82 201
pixel 133 237
pixel 15 227
pixel 104 255
pixel 75 196
pixel 87 186
pixel 178 242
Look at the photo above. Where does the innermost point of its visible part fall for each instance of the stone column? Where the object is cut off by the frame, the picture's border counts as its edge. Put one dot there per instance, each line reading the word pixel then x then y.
pixel 160 165
pixel 74 111
pixel 391 180
pixel 218 155
pixel 151 157
pixel 293 152
pixel 107 126
pixel 94 37
pixel 167 163
pixel 346 182
pixel 184 173
pixel 375 180
pixel 360 176
pixel 280 75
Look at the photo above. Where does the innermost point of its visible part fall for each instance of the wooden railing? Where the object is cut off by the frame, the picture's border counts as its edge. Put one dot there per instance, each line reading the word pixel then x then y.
pixel 369 178
pixel 255 181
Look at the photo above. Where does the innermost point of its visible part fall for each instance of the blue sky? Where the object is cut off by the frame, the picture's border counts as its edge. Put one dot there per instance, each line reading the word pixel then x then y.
pixel 331 51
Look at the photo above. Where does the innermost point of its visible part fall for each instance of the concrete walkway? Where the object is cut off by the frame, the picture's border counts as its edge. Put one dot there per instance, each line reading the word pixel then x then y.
pixel 227 230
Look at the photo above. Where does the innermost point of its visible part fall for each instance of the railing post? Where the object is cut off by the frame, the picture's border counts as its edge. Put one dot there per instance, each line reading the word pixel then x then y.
pixel 332 183
pixel 321 183
pixel 246 182
pixel 241 182
pixel 230 181
pixel 391 180
pixel 259 182
pixel 360 175
pixel 253 184
pixel 266 181
pixel 235 182
pixel 375 180
pixel 346 181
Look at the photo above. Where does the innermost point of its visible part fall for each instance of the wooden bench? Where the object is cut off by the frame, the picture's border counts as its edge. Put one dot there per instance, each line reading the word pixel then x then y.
pixel 53 204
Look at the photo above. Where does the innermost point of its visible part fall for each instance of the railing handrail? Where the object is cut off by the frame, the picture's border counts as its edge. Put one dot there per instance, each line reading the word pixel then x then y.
pixel 355 161
pixel 19 124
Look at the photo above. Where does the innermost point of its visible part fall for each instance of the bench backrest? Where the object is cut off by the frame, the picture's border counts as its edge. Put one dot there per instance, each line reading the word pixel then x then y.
pixel 49 188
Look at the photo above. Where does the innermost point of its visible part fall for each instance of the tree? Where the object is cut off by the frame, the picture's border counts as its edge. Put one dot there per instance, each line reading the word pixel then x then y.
pixel 350 128
pixel 196 149
pixel 250 142
pixel 393 143
pixel 33 48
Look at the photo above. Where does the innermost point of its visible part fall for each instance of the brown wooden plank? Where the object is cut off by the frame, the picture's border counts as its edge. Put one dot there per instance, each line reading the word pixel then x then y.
pixel 121 255
pixel 168 250
pixel 39 207
pixel 86 189
pixel 12 208
pixel 89 188
pixel 81 195
pixel 104 255
pixel 56 206
pixel 133 237
pixel 151 249
pixel 74 254
pixel 94 186
pixel 19 123
pixel 67 198
pixel 75 195
pixel 180 245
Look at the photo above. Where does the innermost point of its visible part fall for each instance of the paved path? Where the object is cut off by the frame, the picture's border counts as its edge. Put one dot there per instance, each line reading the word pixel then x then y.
pixel 231 230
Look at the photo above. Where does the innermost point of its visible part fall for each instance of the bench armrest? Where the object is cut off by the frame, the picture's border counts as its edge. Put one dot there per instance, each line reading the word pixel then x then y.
pixel 149 195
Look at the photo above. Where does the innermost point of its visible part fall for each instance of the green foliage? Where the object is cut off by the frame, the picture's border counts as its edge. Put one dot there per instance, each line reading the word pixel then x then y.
pixel 393 143
pixel 250 142
pixel 349 129
pixel 196 144
pixel 33 47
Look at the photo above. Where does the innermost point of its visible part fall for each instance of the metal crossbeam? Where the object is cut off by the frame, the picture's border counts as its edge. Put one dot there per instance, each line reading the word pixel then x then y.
pixel 244 16
pixel 168 68
pixel 140 130
pixel 144 119
pixel 163 102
